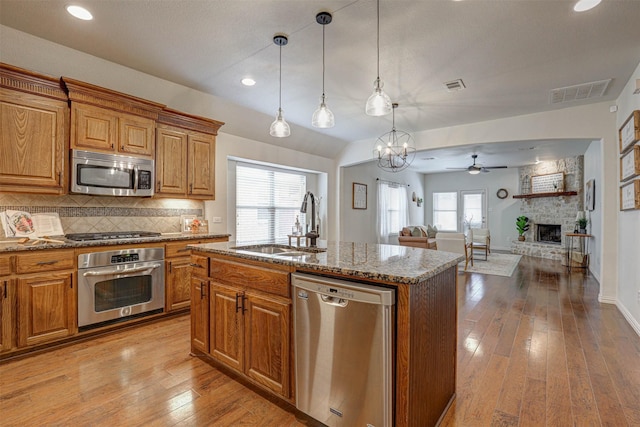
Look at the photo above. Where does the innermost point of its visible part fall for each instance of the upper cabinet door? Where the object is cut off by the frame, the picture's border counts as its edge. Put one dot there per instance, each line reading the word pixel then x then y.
pixel 171 162
pixel 93 128
pixel 137 135
pixel 33 138
pixel 202 160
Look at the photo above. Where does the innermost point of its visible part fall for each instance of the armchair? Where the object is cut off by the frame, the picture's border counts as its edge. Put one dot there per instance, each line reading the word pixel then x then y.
pixel 480 238
pixel 456 243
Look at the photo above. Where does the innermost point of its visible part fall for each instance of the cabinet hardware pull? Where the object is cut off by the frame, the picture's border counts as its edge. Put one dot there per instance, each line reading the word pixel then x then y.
pixel 201 290
pixel 5 289
pixel 47 262
pixel 244 298
pixel 112 146
pixel 238 306
pixel 170 266
pixel 60 178
pixel 71 282
pixel 122 148
pixel 191 188
pixel 159 186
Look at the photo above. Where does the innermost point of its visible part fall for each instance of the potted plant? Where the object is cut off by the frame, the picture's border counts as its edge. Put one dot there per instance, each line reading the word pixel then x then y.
pixel 522 225
pixel 582 225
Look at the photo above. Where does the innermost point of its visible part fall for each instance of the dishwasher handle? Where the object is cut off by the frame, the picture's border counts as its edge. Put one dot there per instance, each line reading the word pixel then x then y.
pixel 335 301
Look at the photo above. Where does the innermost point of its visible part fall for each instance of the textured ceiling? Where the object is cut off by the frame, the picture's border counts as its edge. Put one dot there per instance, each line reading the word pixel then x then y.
pixel 510 54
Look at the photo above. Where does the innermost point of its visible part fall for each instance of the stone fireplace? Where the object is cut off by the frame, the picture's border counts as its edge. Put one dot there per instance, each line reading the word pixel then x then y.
pixel 550 216
pixel 549 233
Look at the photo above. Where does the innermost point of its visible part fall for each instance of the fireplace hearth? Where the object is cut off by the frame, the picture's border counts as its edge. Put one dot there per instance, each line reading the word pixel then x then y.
pixel 549 233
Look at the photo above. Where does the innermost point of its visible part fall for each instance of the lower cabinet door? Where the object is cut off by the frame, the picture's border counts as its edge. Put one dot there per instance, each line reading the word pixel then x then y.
pixel 199 314
pixel 226 312
pixel 6 315
pixel 267 346
pixel 46 308
pixel 178 283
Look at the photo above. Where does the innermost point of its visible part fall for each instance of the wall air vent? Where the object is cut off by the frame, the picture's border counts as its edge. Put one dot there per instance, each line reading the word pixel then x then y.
pixel 578 92
pixel 454 85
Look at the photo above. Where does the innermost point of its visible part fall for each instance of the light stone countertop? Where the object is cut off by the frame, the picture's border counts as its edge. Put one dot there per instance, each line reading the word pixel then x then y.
pixel 70 244
pixel 387 263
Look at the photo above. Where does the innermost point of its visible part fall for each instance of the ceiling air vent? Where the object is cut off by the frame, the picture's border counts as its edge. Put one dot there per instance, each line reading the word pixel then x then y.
pixel 578 92
pixel 454 85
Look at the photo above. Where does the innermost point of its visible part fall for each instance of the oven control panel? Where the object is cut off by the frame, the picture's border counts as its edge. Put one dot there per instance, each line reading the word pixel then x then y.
pixel 122 258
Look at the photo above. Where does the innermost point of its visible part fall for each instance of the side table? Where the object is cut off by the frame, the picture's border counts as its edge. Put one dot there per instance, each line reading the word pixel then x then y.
pixel 583 249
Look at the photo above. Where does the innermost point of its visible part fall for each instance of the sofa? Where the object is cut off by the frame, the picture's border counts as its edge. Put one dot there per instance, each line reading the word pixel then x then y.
pixel 418 236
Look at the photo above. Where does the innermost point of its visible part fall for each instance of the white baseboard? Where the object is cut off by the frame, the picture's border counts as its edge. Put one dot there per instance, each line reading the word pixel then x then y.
pixel 633 322
pixel 607 300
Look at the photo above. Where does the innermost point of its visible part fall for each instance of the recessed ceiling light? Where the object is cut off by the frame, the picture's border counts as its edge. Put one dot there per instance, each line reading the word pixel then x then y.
pixel 584 5
pixel 248 81
pixel 79 12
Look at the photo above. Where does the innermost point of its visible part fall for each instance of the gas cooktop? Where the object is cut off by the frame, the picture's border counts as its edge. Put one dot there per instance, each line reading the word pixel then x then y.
pixel 111 235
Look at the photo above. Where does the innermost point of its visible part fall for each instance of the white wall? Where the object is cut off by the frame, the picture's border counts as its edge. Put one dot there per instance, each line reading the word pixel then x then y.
pixel 359 225
pixel 501 213
pixel 593 170
pixel 628 299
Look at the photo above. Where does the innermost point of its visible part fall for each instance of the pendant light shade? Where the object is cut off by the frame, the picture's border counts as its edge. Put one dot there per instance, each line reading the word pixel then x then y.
pixel 323 117
pixel 395 150
pixel 280 128
pixel 379 103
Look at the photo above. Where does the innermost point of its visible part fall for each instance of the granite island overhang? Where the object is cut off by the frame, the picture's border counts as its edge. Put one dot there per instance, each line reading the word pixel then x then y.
pixel 425 318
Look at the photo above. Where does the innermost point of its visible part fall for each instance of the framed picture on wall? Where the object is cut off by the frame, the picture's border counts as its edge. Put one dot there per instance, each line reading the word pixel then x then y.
pixel 359 193
pixel 589 195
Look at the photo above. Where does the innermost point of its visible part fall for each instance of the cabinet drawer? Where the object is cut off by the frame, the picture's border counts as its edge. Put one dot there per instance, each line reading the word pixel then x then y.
pixel 5 266
pixel 199 266
pixel 44 261
pixel 254 277
pixel 174 249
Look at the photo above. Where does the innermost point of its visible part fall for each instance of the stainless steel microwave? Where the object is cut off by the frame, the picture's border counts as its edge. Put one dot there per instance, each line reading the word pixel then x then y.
pixel 111 174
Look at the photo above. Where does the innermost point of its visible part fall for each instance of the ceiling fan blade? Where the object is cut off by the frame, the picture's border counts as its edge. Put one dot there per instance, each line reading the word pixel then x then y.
pixel 495 167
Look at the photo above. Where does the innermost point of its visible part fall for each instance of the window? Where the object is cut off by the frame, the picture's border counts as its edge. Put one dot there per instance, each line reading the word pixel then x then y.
pixel 445 211
pixel 267 203
pixel 392 209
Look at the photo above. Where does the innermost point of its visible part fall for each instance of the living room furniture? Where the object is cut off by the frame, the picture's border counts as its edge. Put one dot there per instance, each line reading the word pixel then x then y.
pixel 456 243
pixel 480 239
pixel 416 236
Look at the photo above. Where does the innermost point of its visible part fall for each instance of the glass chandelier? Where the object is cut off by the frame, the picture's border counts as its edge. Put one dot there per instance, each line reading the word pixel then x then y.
pixel 280 127
pixel 395 150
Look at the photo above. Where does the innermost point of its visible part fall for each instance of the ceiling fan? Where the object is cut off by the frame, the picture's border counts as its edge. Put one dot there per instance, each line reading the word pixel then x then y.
pixel 475 169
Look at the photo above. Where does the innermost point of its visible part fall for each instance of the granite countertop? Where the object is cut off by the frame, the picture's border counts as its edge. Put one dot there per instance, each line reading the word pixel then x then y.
pixel 70 244
pixel 389 263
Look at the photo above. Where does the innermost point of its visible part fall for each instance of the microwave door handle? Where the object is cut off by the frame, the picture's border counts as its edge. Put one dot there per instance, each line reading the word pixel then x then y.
pixel 135 177
pixel 120 272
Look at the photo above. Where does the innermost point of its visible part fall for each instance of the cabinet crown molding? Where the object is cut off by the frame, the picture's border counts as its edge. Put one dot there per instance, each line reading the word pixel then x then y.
pixel 192 122
pixel 22 80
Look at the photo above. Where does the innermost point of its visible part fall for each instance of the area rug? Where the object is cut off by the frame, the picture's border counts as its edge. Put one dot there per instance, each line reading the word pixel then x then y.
pixel 496 264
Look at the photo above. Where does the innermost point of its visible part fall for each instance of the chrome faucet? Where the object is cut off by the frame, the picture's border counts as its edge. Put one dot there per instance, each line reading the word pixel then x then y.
pixel 313 234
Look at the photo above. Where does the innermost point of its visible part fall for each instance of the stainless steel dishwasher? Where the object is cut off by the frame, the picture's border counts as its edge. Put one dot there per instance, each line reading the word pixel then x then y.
pixel 343 337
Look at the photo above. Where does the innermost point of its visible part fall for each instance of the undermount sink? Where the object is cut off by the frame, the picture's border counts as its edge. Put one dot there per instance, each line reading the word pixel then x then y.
pixel 278 250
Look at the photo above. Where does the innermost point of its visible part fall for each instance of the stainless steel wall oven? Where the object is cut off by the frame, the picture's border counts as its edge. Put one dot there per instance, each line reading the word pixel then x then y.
pixel 113 285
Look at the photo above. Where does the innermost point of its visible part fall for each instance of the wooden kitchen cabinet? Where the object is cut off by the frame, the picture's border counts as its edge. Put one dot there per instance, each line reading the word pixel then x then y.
pixel 112 122
pixel 185 155
pixel 46 308
pixel 250 321
pixel 199 314
pixel 178 269
pixel 7 302
pixel 34 121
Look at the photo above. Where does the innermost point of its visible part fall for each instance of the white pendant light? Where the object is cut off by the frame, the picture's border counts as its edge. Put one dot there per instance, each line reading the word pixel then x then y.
pixel 395 150
pixel 323 117
pixel 280 128
pixel 379 103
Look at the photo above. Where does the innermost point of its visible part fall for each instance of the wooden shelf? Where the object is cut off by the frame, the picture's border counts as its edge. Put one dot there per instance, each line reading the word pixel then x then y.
pixel 555 194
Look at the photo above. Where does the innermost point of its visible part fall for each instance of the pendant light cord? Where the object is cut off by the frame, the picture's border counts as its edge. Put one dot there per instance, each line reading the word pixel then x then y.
pixel 280 89
pixel 323 63
pixel 378 37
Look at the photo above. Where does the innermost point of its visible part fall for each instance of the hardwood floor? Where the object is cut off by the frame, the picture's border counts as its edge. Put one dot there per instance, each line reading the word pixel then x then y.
pixel 534 349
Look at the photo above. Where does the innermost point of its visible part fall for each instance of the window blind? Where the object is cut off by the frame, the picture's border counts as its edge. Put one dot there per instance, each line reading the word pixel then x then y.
pixel 267 203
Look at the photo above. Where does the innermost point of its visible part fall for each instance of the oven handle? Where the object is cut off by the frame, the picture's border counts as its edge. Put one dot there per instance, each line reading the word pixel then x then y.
pixel 120 272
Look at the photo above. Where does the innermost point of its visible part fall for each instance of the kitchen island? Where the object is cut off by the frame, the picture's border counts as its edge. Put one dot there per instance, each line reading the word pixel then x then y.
pixel 241 314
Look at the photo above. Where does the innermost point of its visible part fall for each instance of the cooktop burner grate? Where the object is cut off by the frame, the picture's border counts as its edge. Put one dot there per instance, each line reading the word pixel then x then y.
pixel 112 235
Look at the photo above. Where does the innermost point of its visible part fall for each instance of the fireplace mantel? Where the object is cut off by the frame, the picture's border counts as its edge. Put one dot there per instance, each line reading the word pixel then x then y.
pixel 554 194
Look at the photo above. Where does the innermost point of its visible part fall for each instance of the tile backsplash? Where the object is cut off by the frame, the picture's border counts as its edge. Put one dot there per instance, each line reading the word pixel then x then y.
pixel 84 214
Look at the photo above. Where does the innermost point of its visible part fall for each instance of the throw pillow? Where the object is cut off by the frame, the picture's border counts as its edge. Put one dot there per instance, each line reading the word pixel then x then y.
pixel 432 231
pixel 405 231
pixel 416 232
